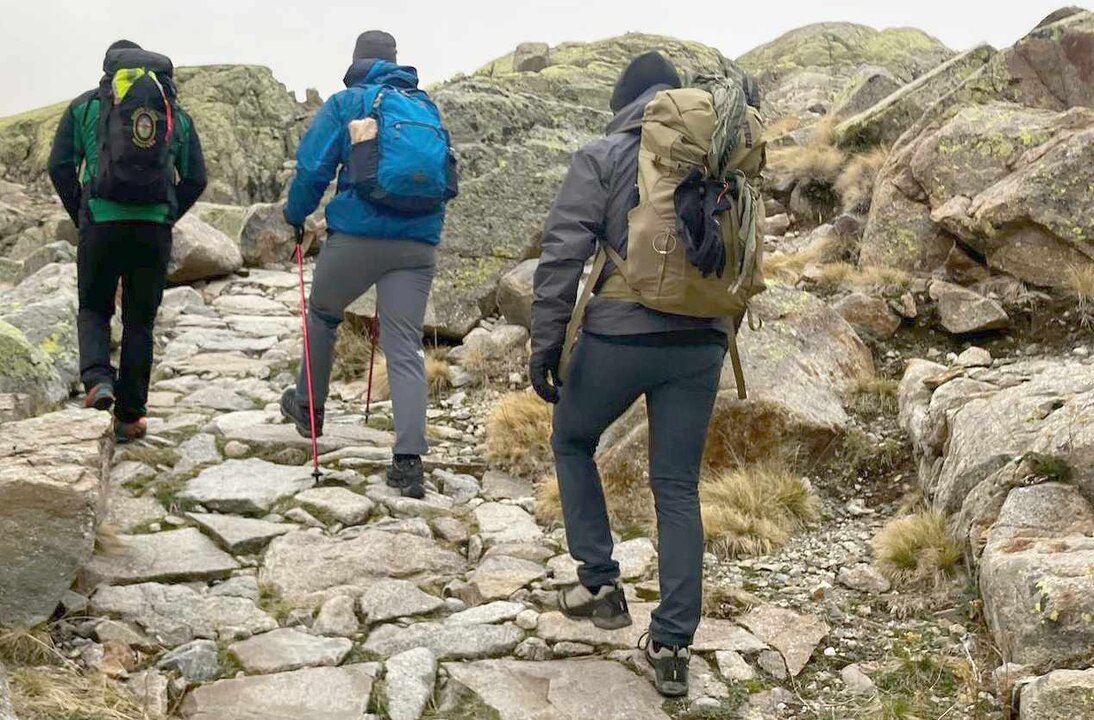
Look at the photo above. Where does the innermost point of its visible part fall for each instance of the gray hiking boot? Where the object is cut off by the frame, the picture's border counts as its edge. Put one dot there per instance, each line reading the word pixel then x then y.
pixel 408 475
pixel 670 666
pixel 607 608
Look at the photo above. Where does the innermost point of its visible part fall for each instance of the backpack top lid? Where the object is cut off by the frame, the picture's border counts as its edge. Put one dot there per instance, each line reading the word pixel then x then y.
pixel 138 58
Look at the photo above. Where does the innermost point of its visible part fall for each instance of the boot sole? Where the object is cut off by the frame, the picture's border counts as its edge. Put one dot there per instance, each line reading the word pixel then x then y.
pixel 672 690
pixel 102 404
pixel 613 623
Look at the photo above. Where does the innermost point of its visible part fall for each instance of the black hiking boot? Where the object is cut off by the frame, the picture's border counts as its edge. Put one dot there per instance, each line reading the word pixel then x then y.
pixel 406 474
pixel 297 412
pixel 127 432
pixel 670 666
pixel 607 608
pixel 100 397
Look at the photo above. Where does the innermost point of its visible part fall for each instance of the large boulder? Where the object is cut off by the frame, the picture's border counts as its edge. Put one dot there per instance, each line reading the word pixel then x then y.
pixel 514 132
pixel 1008 454
pixel 27 371
pixel 883 121
pixel 798 367
pixel 43 307
pixel 200 251
pixel 816 64
pixel 53 473
pixel 1001 164
pixel 249 125
pixel 1060 695
pixel 266 239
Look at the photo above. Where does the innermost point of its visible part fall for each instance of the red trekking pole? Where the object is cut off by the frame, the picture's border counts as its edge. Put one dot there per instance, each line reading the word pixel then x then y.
pixel 307 353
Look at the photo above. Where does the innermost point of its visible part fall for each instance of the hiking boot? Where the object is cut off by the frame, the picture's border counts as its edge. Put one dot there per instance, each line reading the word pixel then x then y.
pixel 670 666
pixel 607 608
pixel 297 412
pixel 406 474
pixel 100 397
pixel 126 432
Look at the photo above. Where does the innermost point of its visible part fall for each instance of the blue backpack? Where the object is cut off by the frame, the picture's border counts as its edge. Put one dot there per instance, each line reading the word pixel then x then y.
pixel 409 166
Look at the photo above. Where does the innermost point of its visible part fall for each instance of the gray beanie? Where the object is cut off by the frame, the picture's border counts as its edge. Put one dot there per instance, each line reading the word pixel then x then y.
pixel 375 45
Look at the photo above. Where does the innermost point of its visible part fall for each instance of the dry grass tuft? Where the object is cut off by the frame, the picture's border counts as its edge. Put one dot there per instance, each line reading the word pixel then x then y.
pixel 518 431
pixel 782 126
pixel 834 275
pixel 352 351
pixel 814 163
pixel 548 500
pixel 726 602
pixel 64 694
pixel 754 509
pixel 917 550
pixel 20 647
pixel 855 184
pixel 875 397
pixel 437 375
pixel 1080 283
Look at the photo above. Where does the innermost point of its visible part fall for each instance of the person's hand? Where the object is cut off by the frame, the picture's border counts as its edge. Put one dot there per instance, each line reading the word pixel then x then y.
pixel 543 371
pixel 298 231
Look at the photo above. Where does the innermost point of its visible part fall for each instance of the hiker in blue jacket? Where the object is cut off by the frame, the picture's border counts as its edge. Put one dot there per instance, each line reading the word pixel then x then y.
pixel 370 243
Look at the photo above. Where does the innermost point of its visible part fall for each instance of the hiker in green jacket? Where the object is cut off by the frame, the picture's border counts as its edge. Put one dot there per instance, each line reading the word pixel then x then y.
pixel 127 164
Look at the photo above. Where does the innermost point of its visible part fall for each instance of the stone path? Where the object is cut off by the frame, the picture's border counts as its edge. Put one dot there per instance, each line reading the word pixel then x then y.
pixel 255 592
pixel 249 590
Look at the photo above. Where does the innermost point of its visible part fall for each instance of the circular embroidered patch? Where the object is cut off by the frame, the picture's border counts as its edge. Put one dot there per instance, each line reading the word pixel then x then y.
pixel 144 128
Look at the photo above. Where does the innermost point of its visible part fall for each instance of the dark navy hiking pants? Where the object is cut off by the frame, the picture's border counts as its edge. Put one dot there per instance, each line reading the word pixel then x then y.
pixel 680 383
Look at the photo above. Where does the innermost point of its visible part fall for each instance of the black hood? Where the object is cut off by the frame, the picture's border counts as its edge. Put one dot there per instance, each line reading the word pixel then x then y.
pixel 645 71
pixel 629 117
pixel 118 45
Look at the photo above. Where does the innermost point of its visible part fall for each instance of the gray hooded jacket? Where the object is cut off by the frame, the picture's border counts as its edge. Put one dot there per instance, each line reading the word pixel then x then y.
pixel 599 191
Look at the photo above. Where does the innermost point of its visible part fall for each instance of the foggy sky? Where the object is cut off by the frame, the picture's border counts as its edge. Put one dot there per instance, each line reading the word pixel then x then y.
pixel 51 50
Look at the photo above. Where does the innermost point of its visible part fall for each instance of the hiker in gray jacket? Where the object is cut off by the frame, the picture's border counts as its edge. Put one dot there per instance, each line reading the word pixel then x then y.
pixel 625 352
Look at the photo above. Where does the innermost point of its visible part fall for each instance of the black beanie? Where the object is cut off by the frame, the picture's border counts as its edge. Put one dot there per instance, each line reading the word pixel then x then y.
pixel 375 45
pixel 118 45
pixel 644 72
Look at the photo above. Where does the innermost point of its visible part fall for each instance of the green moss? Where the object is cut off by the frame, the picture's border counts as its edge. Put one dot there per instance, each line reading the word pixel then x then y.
pixel 1049 467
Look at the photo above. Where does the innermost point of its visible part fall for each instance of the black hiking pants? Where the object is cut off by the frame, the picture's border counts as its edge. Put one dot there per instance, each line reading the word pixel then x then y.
pixel 136 253
pixel 680 384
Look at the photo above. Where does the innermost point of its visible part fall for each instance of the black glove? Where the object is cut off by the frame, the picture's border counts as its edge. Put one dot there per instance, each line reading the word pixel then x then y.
pixel 544 373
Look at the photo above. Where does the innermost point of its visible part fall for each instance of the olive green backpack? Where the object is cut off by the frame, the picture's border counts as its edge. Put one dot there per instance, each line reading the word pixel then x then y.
pixel 710 127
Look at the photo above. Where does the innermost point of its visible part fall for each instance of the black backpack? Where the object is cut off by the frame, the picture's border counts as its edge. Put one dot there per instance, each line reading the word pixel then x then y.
pixel 136 128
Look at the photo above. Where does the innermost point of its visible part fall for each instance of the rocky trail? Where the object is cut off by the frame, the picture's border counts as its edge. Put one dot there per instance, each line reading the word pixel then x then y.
pixel 242 589
pixel 899 519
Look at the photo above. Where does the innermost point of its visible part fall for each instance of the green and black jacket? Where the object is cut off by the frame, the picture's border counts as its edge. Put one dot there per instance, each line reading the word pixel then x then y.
pixel 73 166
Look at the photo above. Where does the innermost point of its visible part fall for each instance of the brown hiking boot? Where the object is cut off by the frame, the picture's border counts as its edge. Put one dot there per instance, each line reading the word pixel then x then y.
pixel 100 397
pixel 125 432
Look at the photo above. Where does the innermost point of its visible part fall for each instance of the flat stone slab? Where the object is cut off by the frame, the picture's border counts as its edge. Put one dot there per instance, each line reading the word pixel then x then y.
pixel 176 614
pixel 795 636
pixel 489 614
pixel 390 599
pixel 306 568
pixel 500 486
pixel 288 649
pixel 409 679
pixel 500 523
pixel 247 487
pixel 52 476
pixel 336 504
pixel 498 577
pixel 560 689
pixel 712 635
pixel 268 437
pixel 636 558
pixel 173 556
pixel 240 535
pixel 126 513
pixel 249 305
pixel 447 642
pixel 340 693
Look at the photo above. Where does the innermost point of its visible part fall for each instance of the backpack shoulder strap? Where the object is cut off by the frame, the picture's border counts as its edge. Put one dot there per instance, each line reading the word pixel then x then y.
pixel 578 317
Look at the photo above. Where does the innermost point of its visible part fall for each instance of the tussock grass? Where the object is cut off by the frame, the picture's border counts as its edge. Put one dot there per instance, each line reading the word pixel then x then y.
pixel 548 500
pixel 1080 284
pixel 64 694
pixel 352 351
pixel 875 397
pixel 518 432
pixel 855 184
pixel 917 550
pixel 436 375
pixel 726 602
pixel 754 509
pixel 20 647
pixel 840 274
pixel 107 540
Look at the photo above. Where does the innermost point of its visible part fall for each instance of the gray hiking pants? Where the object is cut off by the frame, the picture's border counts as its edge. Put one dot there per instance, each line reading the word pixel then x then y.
pixel 402 271
pixel 680 384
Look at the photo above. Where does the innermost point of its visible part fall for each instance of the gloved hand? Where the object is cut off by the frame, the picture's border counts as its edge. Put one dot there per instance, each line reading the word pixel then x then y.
pixel 543 370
